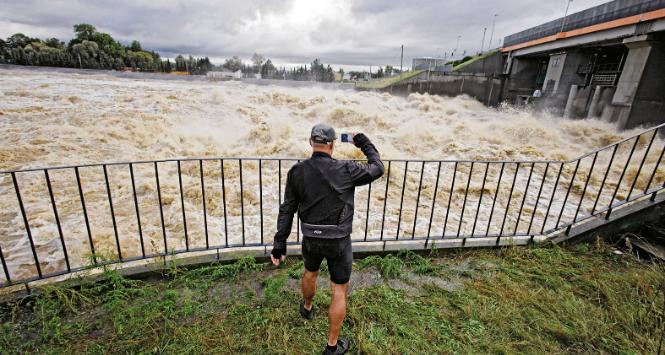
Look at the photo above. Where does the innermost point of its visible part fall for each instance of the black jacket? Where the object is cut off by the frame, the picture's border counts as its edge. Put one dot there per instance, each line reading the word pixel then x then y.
pixel 322 189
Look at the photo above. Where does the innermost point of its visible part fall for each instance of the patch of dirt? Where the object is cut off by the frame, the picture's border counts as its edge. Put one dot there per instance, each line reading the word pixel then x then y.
pixel 365 278
pixel 399 284
pixel 463 267
pixel 448 285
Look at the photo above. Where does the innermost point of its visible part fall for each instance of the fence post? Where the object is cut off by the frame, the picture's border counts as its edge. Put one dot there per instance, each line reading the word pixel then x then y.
pixel 27 225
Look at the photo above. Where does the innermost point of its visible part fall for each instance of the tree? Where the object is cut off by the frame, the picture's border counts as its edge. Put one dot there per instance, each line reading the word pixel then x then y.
pixel 54 43
pixel 180 63
pixel 140 60
pixel 389 70
pixel 233 64
pixel 92 49
pixel 86 53
pixel 109 45
pixel 19 40
pixel 268 69
pixel 84 31
pixel 317 69
pixel 135 46
pixel 330 74
pixel 257 60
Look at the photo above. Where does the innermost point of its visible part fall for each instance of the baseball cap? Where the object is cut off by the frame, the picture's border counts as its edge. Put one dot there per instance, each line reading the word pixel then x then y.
pixel 323 133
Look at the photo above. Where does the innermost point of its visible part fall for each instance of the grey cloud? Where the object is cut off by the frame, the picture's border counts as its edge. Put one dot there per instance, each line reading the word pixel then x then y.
pixel 345 33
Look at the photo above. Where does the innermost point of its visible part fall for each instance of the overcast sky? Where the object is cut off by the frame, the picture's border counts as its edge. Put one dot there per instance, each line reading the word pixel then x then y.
pixel 342 32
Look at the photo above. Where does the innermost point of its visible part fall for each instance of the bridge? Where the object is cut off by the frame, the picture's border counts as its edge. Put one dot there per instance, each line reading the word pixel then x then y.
pixel 60 223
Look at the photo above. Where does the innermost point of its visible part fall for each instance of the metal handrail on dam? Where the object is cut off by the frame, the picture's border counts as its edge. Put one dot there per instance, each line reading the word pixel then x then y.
pixel 67 219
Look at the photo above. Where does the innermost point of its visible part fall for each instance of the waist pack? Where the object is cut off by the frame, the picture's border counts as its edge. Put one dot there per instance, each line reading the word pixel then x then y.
pixel 324 231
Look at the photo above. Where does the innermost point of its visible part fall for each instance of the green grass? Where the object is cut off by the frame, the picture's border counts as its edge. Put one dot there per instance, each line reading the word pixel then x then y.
pixel 386 82
pixel 473 59
pixel 512 300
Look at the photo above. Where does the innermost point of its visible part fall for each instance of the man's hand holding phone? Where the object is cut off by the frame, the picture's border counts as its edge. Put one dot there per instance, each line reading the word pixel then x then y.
pixel 348 137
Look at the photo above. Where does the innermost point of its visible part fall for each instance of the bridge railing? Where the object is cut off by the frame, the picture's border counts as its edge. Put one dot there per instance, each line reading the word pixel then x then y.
pixel 58 220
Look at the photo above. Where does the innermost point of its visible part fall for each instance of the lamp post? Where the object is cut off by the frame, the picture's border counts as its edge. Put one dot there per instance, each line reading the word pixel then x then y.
pixel 563 22
pixel 482 44
pixel 492 33
pixel 457 45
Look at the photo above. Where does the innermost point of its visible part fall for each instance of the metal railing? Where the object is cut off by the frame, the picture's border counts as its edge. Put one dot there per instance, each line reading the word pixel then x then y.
pixel 59 220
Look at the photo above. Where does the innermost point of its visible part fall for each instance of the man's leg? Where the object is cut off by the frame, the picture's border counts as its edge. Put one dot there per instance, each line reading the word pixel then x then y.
pixel 309 287
pixel 337 311
pixel 340 274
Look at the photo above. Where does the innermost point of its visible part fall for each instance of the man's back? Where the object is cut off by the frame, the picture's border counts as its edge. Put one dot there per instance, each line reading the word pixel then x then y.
pixel 322 189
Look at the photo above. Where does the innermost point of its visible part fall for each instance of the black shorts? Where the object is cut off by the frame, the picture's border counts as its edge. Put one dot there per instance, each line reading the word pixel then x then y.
pixel 337 252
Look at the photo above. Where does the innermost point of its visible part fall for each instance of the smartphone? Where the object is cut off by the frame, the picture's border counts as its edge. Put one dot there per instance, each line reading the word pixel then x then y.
pixel 347 137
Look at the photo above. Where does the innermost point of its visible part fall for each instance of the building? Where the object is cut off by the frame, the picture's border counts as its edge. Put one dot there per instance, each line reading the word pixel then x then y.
pixel 431 64
pixel 224 74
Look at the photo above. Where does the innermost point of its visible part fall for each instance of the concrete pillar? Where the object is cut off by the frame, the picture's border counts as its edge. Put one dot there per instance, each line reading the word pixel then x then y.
pixel 639 50
pixel 593 108
pixel 568 112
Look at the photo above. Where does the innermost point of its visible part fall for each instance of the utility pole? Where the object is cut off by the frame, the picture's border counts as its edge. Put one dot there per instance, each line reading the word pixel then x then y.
pixel 492 33
pixel 563 22
pixel 482 44
pixel 401 60
pixel 456 46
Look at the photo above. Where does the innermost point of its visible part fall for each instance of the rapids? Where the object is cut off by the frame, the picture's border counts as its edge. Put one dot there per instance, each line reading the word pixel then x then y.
pixel 54 119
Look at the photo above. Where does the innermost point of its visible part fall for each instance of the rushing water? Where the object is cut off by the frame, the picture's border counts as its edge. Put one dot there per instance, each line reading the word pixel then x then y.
pixel 52 119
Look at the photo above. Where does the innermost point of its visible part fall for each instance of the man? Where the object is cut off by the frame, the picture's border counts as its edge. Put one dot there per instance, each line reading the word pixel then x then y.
pixel 322 189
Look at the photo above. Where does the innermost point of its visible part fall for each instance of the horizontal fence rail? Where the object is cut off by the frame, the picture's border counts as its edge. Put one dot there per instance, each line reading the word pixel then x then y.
pixel 59 220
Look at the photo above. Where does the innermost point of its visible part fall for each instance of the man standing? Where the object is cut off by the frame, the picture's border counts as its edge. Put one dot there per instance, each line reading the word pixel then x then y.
pixel 322 190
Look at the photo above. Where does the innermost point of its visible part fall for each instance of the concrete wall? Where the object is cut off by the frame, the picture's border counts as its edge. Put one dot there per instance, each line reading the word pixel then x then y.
pixel 481 80
pixel 485 89
pixel 490 65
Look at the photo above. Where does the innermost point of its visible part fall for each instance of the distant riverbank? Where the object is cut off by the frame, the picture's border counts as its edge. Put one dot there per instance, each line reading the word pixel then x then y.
pixel 165 76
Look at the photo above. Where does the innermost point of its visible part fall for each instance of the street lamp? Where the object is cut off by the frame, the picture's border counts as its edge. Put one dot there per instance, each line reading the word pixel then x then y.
pixel 457 45
pixel 493 23
pixel 482 44
pixel 563 22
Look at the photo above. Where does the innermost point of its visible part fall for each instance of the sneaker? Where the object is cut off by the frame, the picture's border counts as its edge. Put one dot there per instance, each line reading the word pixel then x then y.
pixel 342 347
pixel 309 315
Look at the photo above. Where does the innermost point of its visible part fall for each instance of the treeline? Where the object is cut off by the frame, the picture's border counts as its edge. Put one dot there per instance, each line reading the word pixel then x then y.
pixel 316 71
pixel 90 49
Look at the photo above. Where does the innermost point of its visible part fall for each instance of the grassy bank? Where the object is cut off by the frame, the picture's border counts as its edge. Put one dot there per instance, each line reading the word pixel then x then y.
pixel 386 82
pixel 542 300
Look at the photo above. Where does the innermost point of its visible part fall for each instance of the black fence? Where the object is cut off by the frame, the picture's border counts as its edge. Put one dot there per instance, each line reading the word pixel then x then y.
pixel 59 220
pixel 602 13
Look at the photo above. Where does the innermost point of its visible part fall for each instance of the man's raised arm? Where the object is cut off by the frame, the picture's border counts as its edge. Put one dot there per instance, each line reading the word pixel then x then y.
pixel 362 173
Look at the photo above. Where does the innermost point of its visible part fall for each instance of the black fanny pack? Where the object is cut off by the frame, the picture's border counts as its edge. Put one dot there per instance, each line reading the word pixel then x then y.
pixel 325 231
